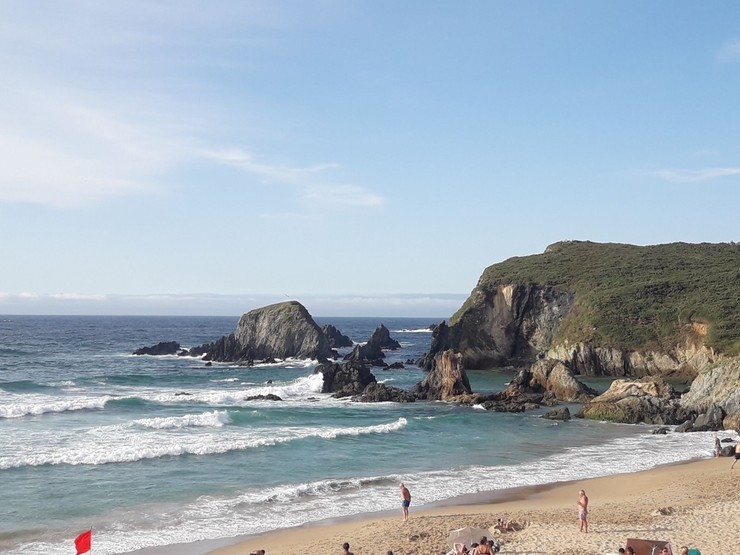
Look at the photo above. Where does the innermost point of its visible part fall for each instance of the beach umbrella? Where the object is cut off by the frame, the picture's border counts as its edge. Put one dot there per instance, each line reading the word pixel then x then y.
pixel 467 535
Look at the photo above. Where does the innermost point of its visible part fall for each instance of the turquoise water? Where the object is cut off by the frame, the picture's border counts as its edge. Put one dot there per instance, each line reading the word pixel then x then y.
pixel 157 450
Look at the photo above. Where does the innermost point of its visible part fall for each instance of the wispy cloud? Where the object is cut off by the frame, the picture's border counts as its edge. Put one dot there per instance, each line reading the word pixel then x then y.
pixel 729 52
pixel 313 181
pixel 108 105
pixel 694 176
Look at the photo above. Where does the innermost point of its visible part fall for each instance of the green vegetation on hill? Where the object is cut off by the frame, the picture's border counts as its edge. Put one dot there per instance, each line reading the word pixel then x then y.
pixel 632 297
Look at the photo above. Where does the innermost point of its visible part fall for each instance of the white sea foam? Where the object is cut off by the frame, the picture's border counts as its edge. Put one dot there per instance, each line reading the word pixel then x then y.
pixel 18 406
pixel 215 419
pixel 117 444
pixel 258 510
pixel 225 380
pixel 417 330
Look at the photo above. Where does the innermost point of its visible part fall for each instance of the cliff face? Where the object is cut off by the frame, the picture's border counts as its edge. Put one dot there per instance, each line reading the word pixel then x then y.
pixel 583 358
pixel 603 309
pixel 515 324
pixel 509 324
pixel 282 330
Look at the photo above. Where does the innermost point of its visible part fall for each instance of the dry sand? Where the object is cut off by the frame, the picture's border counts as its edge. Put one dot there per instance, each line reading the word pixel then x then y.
pixel 695 504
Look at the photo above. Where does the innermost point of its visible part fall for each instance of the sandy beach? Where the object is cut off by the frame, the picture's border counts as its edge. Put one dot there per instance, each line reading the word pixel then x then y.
pixel 695 504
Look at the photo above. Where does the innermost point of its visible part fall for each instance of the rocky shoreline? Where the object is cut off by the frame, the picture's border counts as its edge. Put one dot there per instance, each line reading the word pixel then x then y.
pixel 287 330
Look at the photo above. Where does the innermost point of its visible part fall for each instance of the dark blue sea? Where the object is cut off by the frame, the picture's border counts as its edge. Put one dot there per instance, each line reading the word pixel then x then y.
pixel 149 451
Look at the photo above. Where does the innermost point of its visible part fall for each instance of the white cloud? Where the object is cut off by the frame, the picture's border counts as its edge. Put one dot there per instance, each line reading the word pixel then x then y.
pixel 313 182
pixel 729 52
pixel 694 176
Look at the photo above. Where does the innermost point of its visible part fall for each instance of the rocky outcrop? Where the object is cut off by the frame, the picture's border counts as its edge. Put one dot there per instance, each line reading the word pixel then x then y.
pixel 715 397
pixel 336 338
pixel 732 422
pixel 718 385
pixel 379 392
pixel 382 338
pixel 446 380
pixel 372 351
pixel 161 348
pixel 369 352
pixel 554 377
pixel 344 380
pixel 504 325
pixel 645 400
pixel 282 330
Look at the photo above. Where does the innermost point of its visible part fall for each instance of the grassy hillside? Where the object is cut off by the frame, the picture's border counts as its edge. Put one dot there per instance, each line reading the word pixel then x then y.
pixel 637 297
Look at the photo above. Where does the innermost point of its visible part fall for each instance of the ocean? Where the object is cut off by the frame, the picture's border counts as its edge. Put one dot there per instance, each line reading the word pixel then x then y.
pixel 150 451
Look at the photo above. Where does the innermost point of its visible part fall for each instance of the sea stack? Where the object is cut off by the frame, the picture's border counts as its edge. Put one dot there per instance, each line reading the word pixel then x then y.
pixel 278 331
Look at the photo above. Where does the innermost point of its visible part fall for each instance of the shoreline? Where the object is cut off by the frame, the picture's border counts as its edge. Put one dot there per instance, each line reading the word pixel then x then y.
pixel 621 504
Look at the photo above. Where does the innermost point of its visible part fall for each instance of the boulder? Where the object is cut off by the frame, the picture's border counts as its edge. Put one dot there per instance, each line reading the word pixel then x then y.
pixel 646 400
pixel 560 413
pixel 709 421
pixel 732 422
pixel 396 366
pixel 728 451
pixel 282 330
pixel 161 348
pixel 446 380
pixel 345 379
pixel 553 376
pixel 336 338
pixel 379 392
pixel 718 385
pixel 660 431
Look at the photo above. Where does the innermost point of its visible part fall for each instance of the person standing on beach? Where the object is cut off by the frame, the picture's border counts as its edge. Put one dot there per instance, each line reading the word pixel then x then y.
pixel 346 551
pixel 717 447
pixel 583 510
pixel 405 501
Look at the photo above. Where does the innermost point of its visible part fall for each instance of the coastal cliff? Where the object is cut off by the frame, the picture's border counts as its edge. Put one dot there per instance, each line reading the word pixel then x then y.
pixel 603 309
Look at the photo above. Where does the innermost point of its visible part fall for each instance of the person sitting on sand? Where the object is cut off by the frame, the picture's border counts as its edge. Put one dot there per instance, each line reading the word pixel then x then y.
pixel 345 546
pixel 684 550
pixel 630 551
pixel 483 548
pixel 258 552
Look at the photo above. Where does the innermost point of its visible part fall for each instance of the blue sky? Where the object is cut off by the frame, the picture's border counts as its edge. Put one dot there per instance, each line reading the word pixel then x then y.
pixel 365 158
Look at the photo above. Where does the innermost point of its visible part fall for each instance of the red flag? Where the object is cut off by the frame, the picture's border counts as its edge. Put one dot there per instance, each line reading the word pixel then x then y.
pixel 83 541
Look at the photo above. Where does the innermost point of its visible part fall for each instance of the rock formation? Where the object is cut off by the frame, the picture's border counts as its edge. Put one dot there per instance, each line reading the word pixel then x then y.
pixel 336 338
pixel 161 348
pixel 379 392
pixel 382 338
pixel 372 351
pixel 446 380
pixel 645 400
pixel 344 380
pixel 281 330
pixel 556 378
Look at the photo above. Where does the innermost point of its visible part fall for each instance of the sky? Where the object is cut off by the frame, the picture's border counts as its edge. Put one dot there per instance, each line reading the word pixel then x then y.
pixel 361 157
